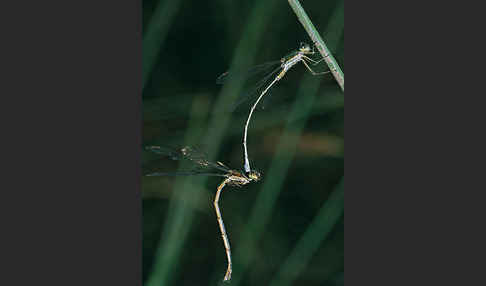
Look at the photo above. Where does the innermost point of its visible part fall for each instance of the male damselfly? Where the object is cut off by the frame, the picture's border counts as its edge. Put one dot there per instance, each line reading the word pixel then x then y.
pixel 286 63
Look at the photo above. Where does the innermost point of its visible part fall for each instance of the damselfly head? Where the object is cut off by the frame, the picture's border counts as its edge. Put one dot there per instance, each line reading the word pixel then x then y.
pixel 305 48
pixel 254 175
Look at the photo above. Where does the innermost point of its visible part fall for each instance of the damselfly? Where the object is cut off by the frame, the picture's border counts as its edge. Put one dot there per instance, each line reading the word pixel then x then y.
pixel 202 166
pixel 286 63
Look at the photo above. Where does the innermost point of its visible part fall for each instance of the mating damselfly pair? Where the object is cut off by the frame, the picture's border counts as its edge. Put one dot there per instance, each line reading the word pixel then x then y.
pixel 232 177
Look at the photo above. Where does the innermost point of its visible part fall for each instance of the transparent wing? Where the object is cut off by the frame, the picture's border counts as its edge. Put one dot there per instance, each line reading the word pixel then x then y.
pixel 201 164
pixel 189 173
pixel 254 92
pixel 255 79
pixel 258 70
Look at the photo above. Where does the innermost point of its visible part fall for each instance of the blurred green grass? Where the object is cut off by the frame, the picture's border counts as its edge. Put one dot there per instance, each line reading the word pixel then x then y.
pixel 298 144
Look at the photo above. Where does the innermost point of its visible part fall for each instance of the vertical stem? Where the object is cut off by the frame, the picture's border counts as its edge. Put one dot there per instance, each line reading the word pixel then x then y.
pixel 317 40
pixel 155 35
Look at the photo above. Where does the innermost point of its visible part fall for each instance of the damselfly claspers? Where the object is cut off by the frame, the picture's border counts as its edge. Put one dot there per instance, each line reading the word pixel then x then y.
pixel 202 166
pixel 286 63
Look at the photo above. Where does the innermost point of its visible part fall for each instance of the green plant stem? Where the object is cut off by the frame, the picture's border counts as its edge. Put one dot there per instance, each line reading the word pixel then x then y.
pixel 316 38
pixel 156 32
pixel 180 216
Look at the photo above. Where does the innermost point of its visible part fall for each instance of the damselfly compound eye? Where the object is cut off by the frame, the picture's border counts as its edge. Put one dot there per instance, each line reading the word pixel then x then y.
pixel 254 175
pixel 305 48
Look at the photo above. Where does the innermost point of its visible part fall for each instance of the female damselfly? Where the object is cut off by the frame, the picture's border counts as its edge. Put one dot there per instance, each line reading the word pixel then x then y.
pixel 202 166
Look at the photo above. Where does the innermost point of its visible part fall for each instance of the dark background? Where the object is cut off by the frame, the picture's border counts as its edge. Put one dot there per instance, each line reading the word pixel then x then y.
pixel 289 227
